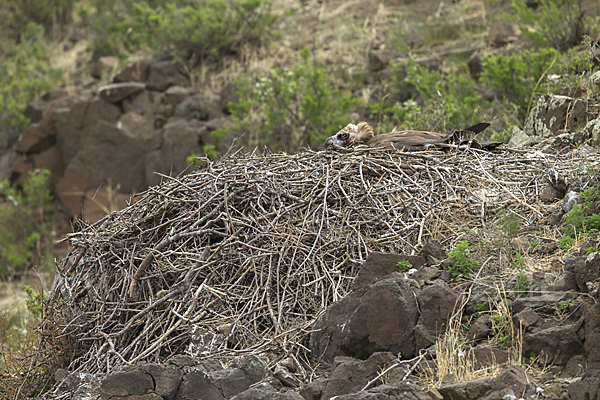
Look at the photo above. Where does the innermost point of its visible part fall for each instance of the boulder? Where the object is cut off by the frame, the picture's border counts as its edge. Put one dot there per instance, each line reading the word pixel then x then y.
pixel 103 66
pixel 200 106
pixel 433 252
pixel 543 305
pixel 181 138
pixel 167 379
pixel 587 388
pixel 51 160
pixel 528 321
pixel 554 345
pixel 100 110
pixel 379 59
pixel 266 391
pixel 135 72
pixel 68 122
pixel 116 92
pixel 436 305
pixel 349 375
pixel 121 384
pixel 381 317
pixel 197 385
pixel 501 33
pixel 481 328
pixel 591 320
pixel 400 390
pixel 39 136
pixel 34 110
pixel 19 173
pixel 70 190
pixel 314 389
pixel 513 383
pixel 379 265
pixel 110 153
pixel 586 271
pixel 163 74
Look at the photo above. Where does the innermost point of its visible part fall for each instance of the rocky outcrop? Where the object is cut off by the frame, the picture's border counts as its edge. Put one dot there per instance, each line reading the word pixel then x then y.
pixel 148 121
pixel 557 123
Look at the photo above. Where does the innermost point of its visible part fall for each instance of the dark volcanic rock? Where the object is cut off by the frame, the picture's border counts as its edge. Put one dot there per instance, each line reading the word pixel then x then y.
pixel 556 345
pixel 397 391
pixel 587 388
pixel 436 304
pixel 379 265
pixel 163 74
pixel 111 153
pixel 513 383
pixel 167 379
pixel 120 384
pixel 116 92
pixel 349 375
pixel 196 385
pixel 381 317
pixel 38 137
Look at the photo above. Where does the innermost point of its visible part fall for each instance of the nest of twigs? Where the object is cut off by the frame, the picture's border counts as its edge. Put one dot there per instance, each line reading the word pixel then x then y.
pixel 246 253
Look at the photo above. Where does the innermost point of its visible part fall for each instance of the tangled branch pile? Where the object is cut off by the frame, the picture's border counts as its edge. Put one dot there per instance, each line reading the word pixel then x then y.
pixel 244 254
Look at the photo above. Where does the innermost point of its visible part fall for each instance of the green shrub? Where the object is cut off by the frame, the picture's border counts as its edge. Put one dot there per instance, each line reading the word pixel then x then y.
pixel 404 265
pixel 517 76
pixel 25 74
pixel 52 15
pixel 291 107
pixel 422 98
pixel 462 263
pixel 557 23
pixel 524 283
pixel 26 218
pixel 188 29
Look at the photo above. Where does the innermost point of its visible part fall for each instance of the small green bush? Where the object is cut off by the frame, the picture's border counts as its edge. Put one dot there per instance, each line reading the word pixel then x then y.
pixel 422 98
pixel 25 74
pixel 462 263
pixel 524 283
pixel 517 76
pixel 404 265
pixel 52 15
pixel 187 29
pixel 26 218
pixel 557 23
pixel 291 107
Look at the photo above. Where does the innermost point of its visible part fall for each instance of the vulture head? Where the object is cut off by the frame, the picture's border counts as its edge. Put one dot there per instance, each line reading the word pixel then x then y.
pixel 351 134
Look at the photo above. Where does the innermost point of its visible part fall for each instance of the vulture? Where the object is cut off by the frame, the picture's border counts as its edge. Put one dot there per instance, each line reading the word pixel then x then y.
pixel 409 140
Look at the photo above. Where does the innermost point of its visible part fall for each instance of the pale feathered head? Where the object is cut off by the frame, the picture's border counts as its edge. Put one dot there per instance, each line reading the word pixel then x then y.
pixel 351 134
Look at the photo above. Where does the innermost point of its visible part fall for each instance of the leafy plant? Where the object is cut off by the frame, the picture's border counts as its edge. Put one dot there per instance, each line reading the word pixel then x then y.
pixel 565 242
pixel 510 223
pixel 35 303
pixel 524 284
pixel 422 98
pixel 462 263
pixel 518 76
pixel 190 29
pixel 404 265
pixel 25 74
pixel 291 107
pixel 52 15
pixel 25 219
pixel 557 23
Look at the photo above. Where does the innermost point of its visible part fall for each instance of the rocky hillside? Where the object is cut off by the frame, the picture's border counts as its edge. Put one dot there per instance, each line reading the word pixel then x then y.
pixel 304 273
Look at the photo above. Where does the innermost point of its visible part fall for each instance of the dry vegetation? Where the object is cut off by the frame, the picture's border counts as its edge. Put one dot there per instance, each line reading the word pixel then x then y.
pixel 257 246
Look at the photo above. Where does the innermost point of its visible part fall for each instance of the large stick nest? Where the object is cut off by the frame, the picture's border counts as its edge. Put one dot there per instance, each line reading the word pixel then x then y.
pixel 244 254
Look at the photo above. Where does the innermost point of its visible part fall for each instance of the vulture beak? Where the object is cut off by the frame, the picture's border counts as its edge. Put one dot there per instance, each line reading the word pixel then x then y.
pixel 333 140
